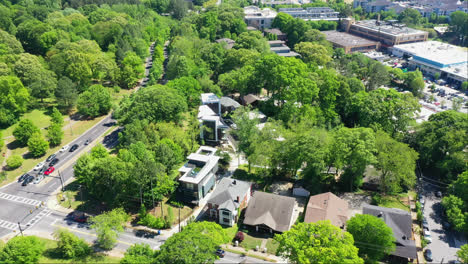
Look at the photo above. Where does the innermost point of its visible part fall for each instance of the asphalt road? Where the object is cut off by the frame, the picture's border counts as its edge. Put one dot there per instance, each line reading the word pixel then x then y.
pixel 445 243
pixel 18 203
pixel 236 258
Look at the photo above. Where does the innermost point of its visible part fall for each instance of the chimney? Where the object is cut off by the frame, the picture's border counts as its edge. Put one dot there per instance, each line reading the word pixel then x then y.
pixel 238 199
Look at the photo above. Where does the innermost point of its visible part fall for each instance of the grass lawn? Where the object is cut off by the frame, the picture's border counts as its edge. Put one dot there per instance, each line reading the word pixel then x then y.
pixel 272 245
pixel 38 117
pixel 231 231
pixel 50 255
pixel 250 242
pixel 394 201
pixel 184 211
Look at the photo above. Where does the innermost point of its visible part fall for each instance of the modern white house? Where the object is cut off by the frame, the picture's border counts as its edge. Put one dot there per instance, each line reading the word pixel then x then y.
pixel 259 18
pixel 198 175
pixel 209 116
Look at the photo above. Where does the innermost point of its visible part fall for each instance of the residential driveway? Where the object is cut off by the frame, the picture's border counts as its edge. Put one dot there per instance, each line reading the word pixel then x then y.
pixel 444 244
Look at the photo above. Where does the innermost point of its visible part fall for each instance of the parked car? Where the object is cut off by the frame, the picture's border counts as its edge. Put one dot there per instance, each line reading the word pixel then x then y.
pixel 220 253
pixel 51 157
pixel 425 226
pixel 77 216
pixel 28 180
pixel 39 166
pixel 64 148
pixel 428 255
pixel 427 236
pixel 438 194
pixel 23 177
pixel 422 201
pixel 74 147
pixel 49 171
pixel 42 170
pixel 38 179
pixel 53 162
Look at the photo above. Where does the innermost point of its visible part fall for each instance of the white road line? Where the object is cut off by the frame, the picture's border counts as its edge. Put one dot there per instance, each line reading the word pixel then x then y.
pixel 20 199
pixel 8 225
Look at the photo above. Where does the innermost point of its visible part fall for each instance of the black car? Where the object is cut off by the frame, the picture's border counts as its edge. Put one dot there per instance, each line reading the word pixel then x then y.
pixel 42 170
pixel 77 216
pixel 23 177
pixel 53 162
pixel 428 255
pixel 87 141
pixel 28 180
pixel 51 157
pixel 74 147
pixel 220 253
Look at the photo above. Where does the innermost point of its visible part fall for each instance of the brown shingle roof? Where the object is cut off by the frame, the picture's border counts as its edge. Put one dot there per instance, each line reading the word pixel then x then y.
pixel 327 206
pixel 272 210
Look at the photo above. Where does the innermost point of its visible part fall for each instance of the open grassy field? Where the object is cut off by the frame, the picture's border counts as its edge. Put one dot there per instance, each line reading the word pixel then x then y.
pixel 395 201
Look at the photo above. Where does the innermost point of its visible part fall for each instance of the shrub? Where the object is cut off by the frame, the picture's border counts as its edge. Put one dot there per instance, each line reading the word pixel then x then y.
pixel 152 221
pixel 239 236
pixel 70 246
pixel 423 242
pixel 376 199
pixel 170 216
pixel 14 161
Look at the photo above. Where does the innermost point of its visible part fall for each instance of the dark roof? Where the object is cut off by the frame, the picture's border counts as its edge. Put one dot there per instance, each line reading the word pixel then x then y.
pixel 250 98
pixel 226 193
pixel 400 222
pixel 327 206
pixel 272 210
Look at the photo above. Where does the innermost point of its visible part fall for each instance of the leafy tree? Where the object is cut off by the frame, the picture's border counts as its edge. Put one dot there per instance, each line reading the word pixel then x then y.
pixel 462 253
pixel 396 162
pixel 410 16
pixel 458 24
pixel 95 101
pixel 22 250
pixel 168 153
pixel 138 253
pixel 178 7
pixel 24 131
pixel 14 161
pixel 154 103
pixel 56 117
pixel 10 44
pixel 313 53
pixel 319 242
pixel 66 93
pixel 189 87
pixel 456 212
pixel 70 246
pixel 37 145
pixel 252 40
pixel 415 83
pixel 131 70
pixel 372 236
pixel 195 244
pixel 459 187
pixel 107 226
pixel 464 86
pixel 55 134
pixel 14 99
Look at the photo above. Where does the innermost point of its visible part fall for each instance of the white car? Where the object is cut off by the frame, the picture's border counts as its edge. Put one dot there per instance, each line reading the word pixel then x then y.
pixel 428 238
pixel 39 166
pixel 64 148
pixel 38 179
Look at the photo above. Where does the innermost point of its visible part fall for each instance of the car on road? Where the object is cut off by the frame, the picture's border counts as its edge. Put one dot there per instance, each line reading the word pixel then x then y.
pixel 49 171
pixel 77 216
pixel 438 194
pixel 39 166
pixel 422 201
pixel 87 141
pixel 38 179
pixel 427 236
pixel 74 147
pixel 145 234
pixel 23 177
pixel 64 148
pixel 425 225
pixel 220 253
pixel 28 180
pixel 428 255
pixel 42 170
pixel 53 162
pixel 51 157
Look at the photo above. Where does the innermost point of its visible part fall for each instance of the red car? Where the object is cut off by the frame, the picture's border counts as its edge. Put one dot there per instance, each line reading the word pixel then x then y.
pixel 49 171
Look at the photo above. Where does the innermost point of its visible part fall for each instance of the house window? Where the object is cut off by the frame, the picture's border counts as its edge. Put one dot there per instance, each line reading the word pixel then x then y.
pixel 225 220
pixel 225 213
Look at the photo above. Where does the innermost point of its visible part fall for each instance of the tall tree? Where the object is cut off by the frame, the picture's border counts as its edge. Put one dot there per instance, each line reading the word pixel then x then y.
pixel 37 145
pixel 70 246
pixel 313 53
pixel 108 225
pixel 95 101
pixel 372 236
pixel 319 242
pixel 138 253
pixel 66 94
pixel 14 100
pixel 24 130
pixel 22 250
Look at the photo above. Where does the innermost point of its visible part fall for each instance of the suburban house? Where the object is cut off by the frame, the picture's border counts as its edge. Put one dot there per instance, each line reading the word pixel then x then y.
pixel 228 199
pixel 327 206
pixel 228 104
pixel 400 222
pixel 270 212
pixel 209 116
pixel 198 175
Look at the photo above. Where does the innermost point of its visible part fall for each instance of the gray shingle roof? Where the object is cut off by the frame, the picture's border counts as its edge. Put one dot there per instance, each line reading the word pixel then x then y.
pixel 400 222
pixel 226 192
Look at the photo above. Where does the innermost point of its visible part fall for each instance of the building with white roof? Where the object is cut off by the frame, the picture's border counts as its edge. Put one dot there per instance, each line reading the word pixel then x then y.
pixel 312 13
pixel 209 116
pixel 198 174
pixel 431 57
pixel 259 18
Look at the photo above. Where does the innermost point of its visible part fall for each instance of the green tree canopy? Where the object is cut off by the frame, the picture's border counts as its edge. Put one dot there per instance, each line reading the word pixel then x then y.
pixel 22 250
pixel 37 145
pixel 95 101
pixel 70 246
pixel 14 100
pixel 108 225
pixel 313 53
pixel 24 130
pixel 66 94
pixel 372 236
pixel 138 253
pixel 319 242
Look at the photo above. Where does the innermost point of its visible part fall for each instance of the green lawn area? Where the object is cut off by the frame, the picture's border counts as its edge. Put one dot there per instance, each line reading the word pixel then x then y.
pixel 38 117
pixel 394 201
pixel 184 211
pixel 50 255
pixel 272 245
pixel 231 231
pixel 250 242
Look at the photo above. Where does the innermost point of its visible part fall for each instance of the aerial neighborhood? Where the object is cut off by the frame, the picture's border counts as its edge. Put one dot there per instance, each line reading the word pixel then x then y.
pixel 234 131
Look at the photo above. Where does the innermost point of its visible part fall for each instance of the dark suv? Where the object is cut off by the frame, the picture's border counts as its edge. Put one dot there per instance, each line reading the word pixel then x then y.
pixel 53 162
pixel 74 147
pixel 51 157
pixel 28 180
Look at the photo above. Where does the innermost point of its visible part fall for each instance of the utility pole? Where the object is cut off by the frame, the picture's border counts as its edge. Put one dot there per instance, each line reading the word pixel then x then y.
pixel 179 217
pixel 61 180
pixel 21 230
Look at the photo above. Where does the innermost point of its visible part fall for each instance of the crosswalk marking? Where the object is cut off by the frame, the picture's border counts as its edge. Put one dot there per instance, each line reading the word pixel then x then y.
pixel 38 217
pixel 19 199
pixel 8 225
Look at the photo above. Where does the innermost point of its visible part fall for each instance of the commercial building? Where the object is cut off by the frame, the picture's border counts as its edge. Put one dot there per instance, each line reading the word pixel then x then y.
pixel 279 47
pixel 259 18
pixel 433 57
pixel 388 33
pixel 350 43
pixel 424 7
pixel 312 13
pixel 198 175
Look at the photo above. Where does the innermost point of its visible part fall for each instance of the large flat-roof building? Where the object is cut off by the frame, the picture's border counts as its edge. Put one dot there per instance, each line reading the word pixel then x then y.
pixel 387 33
pixel 350 43
pixel 259 18
pixel 431 57
pixel 312 13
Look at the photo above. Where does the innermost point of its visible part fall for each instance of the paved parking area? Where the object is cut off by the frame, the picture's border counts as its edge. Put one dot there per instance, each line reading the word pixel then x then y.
pixel 445 243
